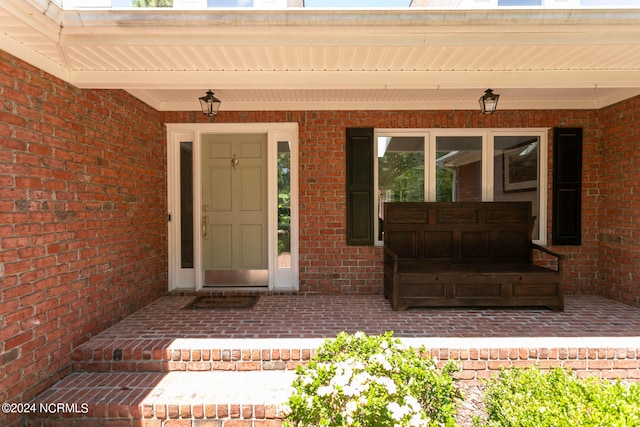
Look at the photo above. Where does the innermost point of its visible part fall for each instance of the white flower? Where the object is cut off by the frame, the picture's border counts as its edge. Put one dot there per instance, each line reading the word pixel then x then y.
pixel 398 412
pixel 387 383
pixel 359 335
pixel 324 390
pixel 343 375
pixel 380 360
pixel 412 402
pixel 350 391
pixel 351 407
pixel 361 378
pixel 418 421
pixel 377 358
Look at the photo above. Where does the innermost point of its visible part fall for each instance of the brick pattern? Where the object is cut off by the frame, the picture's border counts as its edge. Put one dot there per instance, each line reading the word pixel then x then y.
pixel 160 356
pixel 604 363
pixel 618 189
pixel 144 399
pixel 203 379
pixel 259 341
pixel 476 363
pixel 83 219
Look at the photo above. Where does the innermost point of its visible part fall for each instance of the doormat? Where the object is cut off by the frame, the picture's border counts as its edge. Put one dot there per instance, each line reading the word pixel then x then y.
pixel 223 302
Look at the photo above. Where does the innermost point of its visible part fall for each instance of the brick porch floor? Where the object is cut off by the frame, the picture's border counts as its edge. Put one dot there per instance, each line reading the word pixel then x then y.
pixel 166 365
pixel 319 316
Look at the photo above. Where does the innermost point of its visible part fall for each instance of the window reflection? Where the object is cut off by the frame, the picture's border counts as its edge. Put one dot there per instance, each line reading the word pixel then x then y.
pixel 284 204
pixel 459 168
pixel 186 204
pixel 516 172
pixel 401 169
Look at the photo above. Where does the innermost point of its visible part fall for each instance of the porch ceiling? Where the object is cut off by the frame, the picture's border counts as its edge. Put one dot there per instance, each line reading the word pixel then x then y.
pixel 298 59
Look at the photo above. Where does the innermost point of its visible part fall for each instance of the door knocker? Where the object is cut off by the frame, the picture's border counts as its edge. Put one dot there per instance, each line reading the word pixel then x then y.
pixel 234 161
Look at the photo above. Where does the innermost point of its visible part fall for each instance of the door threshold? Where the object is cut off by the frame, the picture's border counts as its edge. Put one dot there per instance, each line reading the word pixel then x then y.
pixel 242 278
pixel 208 288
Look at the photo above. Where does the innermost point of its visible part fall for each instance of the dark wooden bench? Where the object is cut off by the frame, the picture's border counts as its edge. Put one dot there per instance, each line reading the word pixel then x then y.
pixel 465 254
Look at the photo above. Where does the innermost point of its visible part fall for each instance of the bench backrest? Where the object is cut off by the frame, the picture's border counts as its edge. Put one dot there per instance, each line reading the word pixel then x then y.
pixel 459 231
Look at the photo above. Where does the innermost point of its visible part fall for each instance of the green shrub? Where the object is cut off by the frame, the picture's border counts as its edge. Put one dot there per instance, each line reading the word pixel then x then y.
pixel 532 398
pixel 359 380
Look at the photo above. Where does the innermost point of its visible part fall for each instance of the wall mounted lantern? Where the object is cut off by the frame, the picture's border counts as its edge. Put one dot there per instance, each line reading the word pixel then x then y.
pixel 210 104
pixel 488 102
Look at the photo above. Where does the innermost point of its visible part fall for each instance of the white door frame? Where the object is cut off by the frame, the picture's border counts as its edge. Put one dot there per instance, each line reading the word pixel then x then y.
pixel 192 278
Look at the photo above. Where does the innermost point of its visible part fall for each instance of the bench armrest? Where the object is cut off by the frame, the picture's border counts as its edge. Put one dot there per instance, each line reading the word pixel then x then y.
pixel 558 256
pixel 390 258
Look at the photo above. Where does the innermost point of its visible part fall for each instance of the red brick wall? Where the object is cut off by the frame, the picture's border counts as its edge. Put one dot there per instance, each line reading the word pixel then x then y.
pixel 327 264
pixel 618 190
pixel 83 209
pixel 83 219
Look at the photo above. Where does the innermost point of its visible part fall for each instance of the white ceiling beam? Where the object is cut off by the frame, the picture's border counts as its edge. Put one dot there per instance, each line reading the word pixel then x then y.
pixel 32 57
pixel 350 37
pixel 355 79
pixel 471 104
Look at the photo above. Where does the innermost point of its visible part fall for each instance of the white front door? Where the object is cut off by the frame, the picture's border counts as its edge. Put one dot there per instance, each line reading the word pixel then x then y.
pixel 234 210
pixel 233 205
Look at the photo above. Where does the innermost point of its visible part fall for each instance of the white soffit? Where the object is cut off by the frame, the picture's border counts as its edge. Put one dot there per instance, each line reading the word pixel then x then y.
pixel 300 59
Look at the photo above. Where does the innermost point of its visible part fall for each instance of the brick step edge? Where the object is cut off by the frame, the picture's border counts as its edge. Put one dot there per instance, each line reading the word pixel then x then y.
pixel 475 363
pixel 171 359
pixel 165 396
pixel 97 422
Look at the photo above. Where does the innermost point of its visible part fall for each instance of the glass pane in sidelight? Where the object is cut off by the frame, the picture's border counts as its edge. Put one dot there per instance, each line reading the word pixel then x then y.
pixel 186 204
pixel 284 204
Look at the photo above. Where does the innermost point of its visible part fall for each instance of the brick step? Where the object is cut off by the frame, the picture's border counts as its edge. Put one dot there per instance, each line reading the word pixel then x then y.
pixel 159 399
pixel 192 354
pixel 605 357
pixel 242 382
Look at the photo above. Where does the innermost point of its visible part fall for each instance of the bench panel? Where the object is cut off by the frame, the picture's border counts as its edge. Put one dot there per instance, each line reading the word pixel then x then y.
pixel 439 245
pixel 406 244
pixel 472 290
pixel 475 245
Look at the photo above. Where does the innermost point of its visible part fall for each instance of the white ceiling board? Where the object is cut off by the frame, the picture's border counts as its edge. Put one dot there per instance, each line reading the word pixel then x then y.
pixel 349 59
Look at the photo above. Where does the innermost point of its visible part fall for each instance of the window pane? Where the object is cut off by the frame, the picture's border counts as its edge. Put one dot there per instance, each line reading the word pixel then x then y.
pixel 186 204
pixel 284 205
pixel 229 3
pixel 459 168
pixel 519 2
pixel 401 169
pixel 516 172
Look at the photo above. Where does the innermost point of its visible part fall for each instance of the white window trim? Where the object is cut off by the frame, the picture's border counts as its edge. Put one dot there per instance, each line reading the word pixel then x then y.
pixel 487 135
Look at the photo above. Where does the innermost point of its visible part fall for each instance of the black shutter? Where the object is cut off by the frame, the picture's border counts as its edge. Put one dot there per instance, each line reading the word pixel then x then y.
pixel 360 186
pixel 567 186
